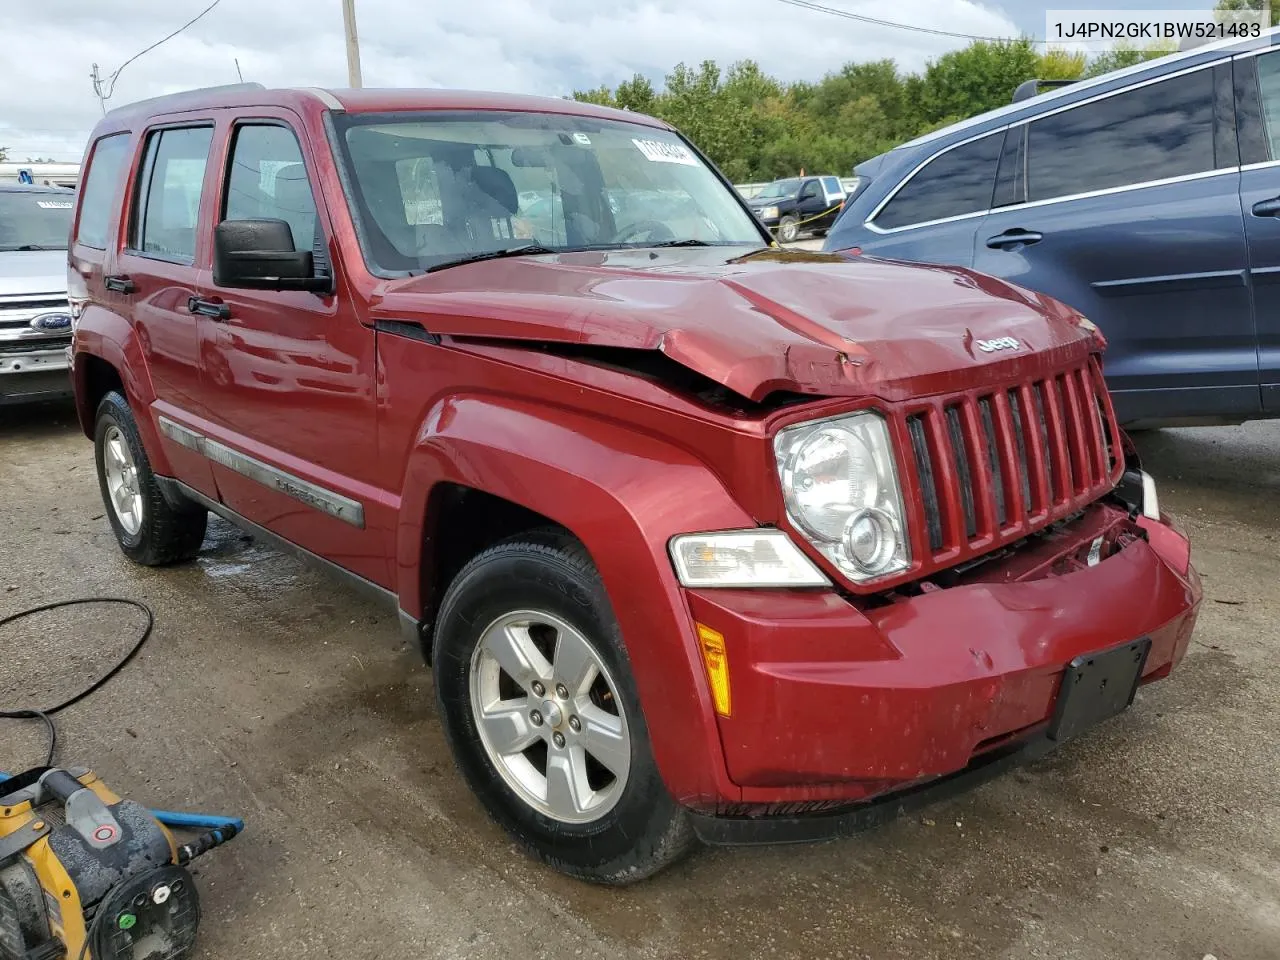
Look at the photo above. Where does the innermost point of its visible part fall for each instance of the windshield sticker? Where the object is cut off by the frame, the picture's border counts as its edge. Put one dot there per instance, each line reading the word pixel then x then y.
pixel 582 138
pixel 53 204
pixel 658 151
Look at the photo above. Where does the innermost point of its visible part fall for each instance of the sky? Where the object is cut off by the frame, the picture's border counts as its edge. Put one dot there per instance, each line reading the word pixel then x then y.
pixel 551 47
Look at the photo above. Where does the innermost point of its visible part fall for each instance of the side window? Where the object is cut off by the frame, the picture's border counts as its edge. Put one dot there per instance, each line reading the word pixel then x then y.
pixel 1162 130
pixel 267 180
pixel 954 183
pixel 1011 178
pixel 1269 88
pixel 1250 133
pixel 810 190
pixel 99 190
pixel 832 185
pixel 169 192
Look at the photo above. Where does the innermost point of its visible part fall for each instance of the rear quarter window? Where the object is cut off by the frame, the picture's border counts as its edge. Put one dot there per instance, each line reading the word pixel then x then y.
pixel 958 181
pixel 1155 132
pixel 100 189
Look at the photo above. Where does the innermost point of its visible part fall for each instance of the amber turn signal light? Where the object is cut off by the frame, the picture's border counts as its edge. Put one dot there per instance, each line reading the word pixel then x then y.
pixel 717 663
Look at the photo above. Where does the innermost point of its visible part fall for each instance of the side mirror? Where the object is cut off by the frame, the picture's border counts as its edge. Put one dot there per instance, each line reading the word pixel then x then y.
pixel 259 255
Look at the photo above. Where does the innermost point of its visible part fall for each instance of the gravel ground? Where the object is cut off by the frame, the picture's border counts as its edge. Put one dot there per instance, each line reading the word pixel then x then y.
pixel 271 692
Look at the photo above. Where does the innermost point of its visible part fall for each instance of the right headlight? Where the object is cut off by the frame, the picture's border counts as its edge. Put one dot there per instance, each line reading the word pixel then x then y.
pixel 841 488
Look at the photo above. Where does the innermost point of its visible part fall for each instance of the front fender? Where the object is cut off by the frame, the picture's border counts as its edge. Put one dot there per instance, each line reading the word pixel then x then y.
pixel 624 494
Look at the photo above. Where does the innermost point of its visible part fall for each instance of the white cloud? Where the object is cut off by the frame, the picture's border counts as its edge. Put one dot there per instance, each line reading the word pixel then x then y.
pixel 47 106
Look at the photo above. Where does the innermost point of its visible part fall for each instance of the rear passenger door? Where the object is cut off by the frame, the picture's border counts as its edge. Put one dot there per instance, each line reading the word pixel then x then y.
pixel 1126 207
pixel 933 214
pixel 164 260
pixel 1257 80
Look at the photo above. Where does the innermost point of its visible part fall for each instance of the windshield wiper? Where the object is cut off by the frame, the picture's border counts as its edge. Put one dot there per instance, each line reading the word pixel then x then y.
pixel 680 243
pixel 31 246
pixel 527 250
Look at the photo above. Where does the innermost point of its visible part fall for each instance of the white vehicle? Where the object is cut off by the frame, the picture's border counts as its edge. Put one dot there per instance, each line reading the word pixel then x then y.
pixel 35 317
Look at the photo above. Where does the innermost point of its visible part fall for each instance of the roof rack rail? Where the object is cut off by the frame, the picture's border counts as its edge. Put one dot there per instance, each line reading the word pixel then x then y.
pixel 180 95
pixel 1031 88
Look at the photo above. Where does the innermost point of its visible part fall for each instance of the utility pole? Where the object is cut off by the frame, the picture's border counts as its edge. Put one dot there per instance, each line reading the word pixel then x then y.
pixel 353 43
pixel 97 89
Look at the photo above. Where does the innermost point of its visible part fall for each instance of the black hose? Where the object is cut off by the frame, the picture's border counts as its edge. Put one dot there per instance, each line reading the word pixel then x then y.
pixel 47 714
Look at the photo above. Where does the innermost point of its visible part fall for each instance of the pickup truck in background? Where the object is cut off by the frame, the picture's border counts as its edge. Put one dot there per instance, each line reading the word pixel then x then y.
pixel 798 205
pixel 35 319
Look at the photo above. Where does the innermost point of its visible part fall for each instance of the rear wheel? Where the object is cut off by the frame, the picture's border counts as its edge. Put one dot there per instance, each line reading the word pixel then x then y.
pixel 149 529
pixel 538 702
pixel 788 229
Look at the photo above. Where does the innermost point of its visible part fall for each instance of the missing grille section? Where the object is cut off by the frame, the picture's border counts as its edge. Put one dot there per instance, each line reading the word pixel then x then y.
pixel 1070 434
pixel 993 459
pixel 1104 431
pixel 1020 444
pixel 1050 460
pixel 928 485
pixel 961 452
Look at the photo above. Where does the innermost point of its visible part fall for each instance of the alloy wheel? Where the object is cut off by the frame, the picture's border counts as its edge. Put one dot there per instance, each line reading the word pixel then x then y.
pixel 549 716
pixel 122 480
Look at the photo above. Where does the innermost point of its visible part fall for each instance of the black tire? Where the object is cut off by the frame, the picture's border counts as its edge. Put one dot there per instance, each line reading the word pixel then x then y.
pixel 645 830
pixel 167 533
pixel 789 230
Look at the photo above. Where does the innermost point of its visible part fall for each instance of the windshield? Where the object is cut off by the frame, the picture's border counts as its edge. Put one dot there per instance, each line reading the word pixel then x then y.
pixel 429 190
pixel 35 220
pixel 779 188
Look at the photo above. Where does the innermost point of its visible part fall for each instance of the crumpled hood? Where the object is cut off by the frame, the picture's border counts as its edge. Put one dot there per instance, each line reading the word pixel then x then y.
pixel 32 272
pixel 774 320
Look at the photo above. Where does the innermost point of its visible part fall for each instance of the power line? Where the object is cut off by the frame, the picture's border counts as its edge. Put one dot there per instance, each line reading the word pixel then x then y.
pixel 876 21
pixel 110 82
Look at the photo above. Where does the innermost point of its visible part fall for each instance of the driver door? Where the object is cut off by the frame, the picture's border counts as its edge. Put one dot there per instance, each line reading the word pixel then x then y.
pixel 289 375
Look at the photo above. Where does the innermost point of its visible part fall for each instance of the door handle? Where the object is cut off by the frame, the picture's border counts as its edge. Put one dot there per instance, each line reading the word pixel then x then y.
pixel 1267 208
pixel 214 309
pixel 119 284
pixel 1013 237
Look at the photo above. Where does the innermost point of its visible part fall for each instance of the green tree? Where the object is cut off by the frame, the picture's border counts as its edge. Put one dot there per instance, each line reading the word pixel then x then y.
pixel 1124 55
pixel 1061 65
pixel 980 77
pixel 1230 5
pixel 636 94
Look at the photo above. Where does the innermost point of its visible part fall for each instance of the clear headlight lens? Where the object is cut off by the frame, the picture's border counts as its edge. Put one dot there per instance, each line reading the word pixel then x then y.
pixel 769 213
pixel 743 558
pixel 840 484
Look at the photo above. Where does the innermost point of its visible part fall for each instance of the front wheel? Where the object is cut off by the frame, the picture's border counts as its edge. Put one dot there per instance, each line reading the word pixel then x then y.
pixel 149 529
pixel 541 712
pixel 788 229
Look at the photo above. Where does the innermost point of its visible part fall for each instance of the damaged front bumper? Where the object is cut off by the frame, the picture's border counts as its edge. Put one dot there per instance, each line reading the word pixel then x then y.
pixel 844 716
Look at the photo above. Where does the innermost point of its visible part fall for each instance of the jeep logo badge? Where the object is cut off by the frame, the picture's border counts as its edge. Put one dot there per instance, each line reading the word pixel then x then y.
pixel 999 343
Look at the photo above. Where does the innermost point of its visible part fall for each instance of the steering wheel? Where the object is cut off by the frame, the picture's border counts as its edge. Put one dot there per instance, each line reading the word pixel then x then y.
pixel 654 231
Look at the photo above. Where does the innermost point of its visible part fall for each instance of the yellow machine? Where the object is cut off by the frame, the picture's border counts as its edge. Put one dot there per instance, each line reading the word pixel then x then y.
pixel 84 873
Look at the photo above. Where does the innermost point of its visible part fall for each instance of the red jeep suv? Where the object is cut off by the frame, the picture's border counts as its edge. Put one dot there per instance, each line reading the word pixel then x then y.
pixel 705 539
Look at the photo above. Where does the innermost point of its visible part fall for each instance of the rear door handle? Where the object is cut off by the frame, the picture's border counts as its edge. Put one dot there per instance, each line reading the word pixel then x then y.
pixel 214 309
pixel 119 284
pixel 1013 237
pixel 1267 208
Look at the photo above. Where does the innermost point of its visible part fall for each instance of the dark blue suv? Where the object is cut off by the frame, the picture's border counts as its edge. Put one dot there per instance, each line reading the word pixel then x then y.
pixel 1148 199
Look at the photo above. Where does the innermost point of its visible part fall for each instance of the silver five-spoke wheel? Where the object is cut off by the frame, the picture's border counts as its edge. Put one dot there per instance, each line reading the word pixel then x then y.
pixel 549 716
pixel 122 480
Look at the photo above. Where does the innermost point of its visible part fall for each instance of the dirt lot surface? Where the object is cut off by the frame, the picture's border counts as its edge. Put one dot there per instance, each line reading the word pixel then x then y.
pixel 270 692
